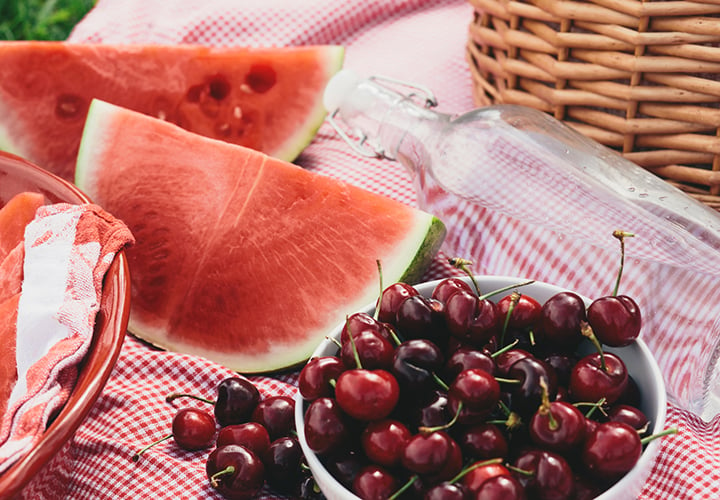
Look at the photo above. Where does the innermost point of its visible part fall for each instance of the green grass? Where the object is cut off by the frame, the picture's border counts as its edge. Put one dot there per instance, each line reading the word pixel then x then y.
pixel 40 19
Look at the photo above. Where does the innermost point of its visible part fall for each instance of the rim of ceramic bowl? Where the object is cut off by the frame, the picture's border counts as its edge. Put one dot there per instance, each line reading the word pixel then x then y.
pixel 627 483
pixel 105 346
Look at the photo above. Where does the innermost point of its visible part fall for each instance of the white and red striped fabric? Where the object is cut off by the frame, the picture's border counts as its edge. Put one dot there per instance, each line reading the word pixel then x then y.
pixel 68 249
pixel 420 41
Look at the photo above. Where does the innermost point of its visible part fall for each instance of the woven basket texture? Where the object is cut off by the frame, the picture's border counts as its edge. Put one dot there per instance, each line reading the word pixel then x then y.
pixel 642 77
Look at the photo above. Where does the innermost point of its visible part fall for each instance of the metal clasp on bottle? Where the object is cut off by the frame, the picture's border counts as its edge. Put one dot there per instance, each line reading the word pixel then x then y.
pixel 360 144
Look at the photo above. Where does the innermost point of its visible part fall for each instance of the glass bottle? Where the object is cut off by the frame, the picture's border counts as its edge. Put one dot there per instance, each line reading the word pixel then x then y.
pixel 543 175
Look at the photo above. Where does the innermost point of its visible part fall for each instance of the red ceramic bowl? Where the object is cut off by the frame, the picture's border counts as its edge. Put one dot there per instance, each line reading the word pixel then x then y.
pixel 44 462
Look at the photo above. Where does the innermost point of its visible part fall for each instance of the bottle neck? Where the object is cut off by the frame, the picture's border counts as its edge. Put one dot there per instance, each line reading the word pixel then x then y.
pixel 394 125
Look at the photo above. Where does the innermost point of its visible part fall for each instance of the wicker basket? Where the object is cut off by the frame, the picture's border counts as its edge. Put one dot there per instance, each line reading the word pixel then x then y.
pixel 640 77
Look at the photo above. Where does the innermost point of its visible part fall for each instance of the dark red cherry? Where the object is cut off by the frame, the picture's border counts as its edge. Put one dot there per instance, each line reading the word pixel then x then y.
pixel 251 435
pixel 532 374
pixel 471 319
pixel 283 464
pixel 415 364
pixel 447 491
pixel 505 360
pixel 317 377
pixel 445 288
pixel 374 482
pixel 237 398
pixel 464 358
pixel 430 412
pixel 558 426
pixel 193 429
pixel 630 415
pixel 546 475
pixel 615 320
pixel 392 297
pixel 276 414
pixel 361 321
pixel 479 472
pixel 483 441
pixel 326 426
pixel 591 380
pixel 235 472
pixel 611 450
pixel 476 389
pixel 373 350
pixel 429 453
pixel 383 441
pixel 501 488
pixel 367 394
pixel 525 310
pixel 561 318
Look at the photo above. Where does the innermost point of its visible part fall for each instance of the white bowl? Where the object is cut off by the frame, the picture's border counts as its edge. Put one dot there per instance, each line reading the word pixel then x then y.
pixel 640 364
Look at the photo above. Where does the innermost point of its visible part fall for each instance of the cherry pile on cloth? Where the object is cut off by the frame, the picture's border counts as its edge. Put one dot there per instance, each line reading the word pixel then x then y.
pixel 66 251
pixel 420 41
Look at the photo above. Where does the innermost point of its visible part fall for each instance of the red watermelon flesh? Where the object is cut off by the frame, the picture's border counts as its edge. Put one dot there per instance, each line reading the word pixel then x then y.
pixel 242 258
pixel 14 216
pixel 267 99
pixel 8 339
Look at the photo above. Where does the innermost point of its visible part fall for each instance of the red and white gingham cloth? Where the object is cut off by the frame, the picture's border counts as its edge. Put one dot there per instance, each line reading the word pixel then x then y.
pixel 67 250
pixel 419 41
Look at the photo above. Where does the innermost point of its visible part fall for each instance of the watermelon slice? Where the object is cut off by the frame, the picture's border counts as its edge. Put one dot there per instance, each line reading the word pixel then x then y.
pixel 266 99
pixel 239 257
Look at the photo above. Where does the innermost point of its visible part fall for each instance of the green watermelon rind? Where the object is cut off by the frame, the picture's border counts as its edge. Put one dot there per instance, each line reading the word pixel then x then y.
pixel 410 259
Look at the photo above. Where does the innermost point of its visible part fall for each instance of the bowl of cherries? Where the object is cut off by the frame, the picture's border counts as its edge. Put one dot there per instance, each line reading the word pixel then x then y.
pixel 483 387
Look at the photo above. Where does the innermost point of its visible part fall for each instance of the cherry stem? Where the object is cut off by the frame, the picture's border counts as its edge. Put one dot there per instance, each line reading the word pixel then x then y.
pixel 356 355
pixel 505 349
pixel 587 331
pixel 593 406
pixel 440 382
pixel 172 397
pixel 545 406
pixel 230 469
pixel 666 432
pixel 520 471
pixel 430 430
pixel 512 421
pixel 503 380
pixel 380 277
pixel 474 466
pixel 620 235
pixel 464 266
pixel 514 298
pixel 404 488
pixel 137 454
pixel 507 411
pixel 505 289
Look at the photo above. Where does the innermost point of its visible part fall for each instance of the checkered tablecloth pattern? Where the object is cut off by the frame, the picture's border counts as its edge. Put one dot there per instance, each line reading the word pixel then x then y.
pixel 415 40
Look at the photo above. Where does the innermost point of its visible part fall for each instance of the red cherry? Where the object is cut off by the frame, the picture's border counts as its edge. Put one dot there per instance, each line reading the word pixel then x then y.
pixel 362 321
pixel 383 441
pixel 392 297
pixel 251 435
pixel 192 429
pixel 501 488
pixel 235 472
pixel 277 415
pixel 561 318
pixel 374 483
pixel 483 441
pixel 326 427
pixel 318 375
pixel 546 475
pixel 615 320
pixel 429 453
pixel 445 288
pixel 476 389
pixel 630 415
pixel 611 450
pixel 374 351
pixel 525 309
pixel 479 473
pixel 237 397
pixel 558 426
pixel 466 357
pixel 590 381
pixel 367 394
pixel 471 319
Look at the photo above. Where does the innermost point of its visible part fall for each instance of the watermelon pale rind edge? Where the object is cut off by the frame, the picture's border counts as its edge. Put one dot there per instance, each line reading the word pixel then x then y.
pixel 306 131
pixel 407 262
